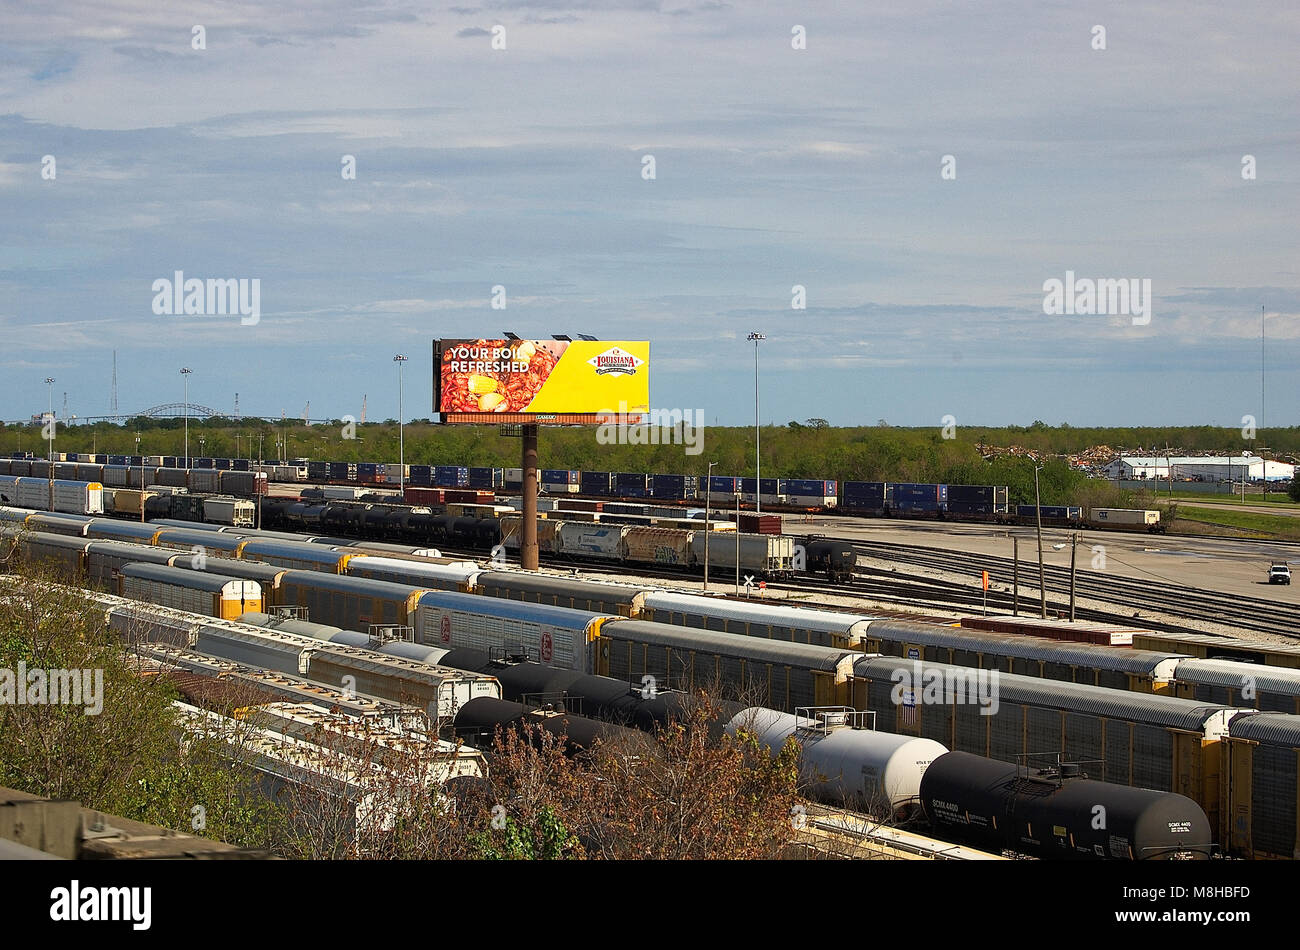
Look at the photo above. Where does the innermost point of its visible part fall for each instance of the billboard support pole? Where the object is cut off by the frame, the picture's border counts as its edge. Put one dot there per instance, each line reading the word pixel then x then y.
pixel 528 523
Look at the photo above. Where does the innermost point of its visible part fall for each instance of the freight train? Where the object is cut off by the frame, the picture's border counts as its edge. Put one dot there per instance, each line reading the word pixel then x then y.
pixel 239 477
pixel 1183 739
pixel 887 774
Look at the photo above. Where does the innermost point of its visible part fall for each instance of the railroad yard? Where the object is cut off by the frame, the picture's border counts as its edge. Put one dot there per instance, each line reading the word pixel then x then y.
pixel 614 631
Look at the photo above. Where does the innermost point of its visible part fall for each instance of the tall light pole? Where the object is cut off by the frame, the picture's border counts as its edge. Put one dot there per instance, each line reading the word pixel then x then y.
pixel 757 338
pixel 1038 516
pixel 1262 443
pixel 185 374
pixel 49 423
pixel 708 497
pixel 399 359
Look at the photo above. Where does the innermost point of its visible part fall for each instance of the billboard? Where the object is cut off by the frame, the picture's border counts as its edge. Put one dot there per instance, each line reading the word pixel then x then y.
pixel 557 381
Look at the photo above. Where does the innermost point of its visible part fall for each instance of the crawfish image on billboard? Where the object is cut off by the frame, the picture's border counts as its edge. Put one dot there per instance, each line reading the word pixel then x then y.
pixel 542 376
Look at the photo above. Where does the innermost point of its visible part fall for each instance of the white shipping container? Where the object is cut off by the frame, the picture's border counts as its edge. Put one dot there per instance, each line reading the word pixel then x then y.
pixel 514 475
pixel 342 492
pixel 397 472
pixel 811 501
pixel 1125 516
pixel 766 499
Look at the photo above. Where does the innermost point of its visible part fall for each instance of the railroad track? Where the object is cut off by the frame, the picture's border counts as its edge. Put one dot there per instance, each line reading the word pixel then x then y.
pixel 1249 613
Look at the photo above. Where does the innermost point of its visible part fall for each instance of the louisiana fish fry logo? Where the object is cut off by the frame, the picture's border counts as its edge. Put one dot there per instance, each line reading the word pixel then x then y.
pixel 615 360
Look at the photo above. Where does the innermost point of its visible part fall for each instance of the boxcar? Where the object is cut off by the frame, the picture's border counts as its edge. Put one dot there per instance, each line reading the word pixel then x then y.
pixel 624 600
pixel 457 576
pixel 1208 647
pixel 1139 670
pixel 269 576
pixel 1159 742
pixel 773 673
pixel 105 560
pixel 440 690
pixel 825 628
pixel 1261 813
pixel 555 636
pixel 296 555
pixel 65 556
pixel 353 603
pixel 1266 688
pixel 213 595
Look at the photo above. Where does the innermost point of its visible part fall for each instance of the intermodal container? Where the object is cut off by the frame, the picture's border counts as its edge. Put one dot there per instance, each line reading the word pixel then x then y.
pixel 751 523
pixel 596 483
pixel 486 477
pixel 451 476
pixel 421 475
pixel 723 485
pixel 631 485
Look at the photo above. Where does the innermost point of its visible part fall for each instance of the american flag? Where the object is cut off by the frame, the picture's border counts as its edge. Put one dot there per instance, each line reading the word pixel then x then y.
pixel 909 707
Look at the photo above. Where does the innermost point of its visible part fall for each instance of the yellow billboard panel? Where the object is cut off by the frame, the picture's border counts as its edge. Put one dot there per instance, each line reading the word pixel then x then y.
pixel 547 378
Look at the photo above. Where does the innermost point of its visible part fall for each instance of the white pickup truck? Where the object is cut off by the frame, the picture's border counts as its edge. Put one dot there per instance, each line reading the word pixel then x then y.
pixel 1279 573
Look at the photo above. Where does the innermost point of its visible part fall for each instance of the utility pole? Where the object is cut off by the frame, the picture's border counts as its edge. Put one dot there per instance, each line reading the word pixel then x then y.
pixel 185 373
pixel 757 338
pixel 137 452
pixel 1074 549
pixel 399 359
pixel 1015 576
pixel 737 544
pixel 49 425
pixel 1038 517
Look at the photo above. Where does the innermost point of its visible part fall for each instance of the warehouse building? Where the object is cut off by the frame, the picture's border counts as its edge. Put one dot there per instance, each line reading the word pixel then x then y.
pixel 1208 468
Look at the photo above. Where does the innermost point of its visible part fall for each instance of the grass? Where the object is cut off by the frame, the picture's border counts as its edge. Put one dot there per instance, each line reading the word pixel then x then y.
pixel 1249 523
pixel 1276 499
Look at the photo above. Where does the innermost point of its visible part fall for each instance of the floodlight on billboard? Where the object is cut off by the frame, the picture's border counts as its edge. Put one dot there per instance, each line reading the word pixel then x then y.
pixel 531 381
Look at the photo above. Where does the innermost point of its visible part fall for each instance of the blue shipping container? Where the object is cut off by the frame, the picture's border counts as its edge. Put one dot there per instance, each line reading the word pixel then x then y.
pixel 723 484
pixel 560 476
pixel 486 477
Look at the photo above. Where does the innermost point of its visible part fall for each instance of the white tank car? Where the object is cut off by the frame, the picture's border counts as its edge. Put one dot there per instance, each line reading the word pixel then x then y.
pixel 878 772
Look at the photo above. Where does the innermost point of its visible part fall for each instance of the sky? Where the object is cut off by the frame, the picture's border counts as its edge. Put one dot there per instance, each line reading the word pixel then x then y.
pixel 921 170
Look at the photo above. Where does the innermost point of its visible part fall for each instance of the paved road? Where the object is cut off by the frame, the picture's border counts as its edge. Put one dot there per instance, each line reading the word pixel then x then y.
pixel 1216 564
